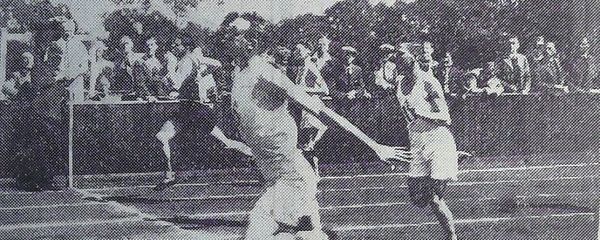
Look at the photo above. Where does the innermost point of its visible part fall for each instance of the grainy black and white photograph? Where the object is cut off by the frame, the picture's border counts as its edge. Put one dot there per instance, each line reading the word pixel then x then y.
pixel 300 119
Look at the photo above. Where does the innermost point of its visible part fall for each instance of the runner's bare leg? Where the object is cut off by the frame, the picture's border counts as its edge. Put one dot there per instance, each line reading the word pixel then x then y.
pixel 444 216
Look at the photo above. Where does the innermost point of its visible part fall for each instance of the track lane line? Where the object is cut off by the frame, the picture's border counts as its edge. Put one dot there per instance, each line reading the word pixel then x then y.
pixel 390 204
pixel 352 177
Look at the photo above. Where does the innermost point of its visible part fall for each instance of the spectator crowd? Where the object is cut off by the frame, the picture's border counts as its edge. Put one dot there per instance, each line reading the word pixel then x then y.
pixel 325 67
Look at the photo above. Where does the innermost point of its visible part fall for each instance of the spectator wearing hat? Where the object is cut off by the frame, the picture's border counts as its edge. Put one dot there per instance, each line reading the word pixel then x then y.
pixel 448 75
pixel 584 69
pixel 386 75
pixel 349 83
pixel 514 69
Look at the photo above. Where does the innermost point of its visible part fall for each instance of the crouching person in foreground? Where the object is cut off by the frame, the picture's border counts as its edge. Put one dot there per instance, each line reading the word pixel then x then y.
pixel 288 208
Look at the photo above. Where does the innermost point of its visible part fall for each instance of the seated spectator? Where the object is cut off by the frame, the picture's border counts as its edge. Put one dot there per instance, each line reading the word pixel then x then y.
pixel 490 83
pixel 18 87
pixel 149 74
pixel 514 71
pixel 551 75
pixel 470 85
pixel 386 75
pixel 584 69
pixel 101 74
pixel 448 75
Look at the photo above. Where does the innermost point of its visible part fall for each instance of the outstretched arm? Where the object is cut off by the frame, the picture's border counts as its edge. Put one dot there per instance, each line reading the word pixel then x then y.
pixel 385 153
pixel 297 93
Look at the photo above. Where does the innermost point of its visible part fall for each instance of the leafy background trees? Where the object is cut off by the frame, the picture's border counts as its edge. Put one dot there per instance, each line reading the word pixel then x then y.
pixel 473 30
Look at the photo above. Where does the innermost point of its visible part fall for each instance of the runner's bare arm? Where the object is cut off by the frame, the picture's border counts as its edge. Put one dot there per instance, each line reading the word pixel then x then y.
pixel 385 153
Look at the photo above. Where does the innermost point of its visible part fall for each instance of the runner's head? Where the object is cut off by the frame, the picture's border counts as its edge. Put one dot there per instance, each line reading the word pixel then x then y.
pixel 248 40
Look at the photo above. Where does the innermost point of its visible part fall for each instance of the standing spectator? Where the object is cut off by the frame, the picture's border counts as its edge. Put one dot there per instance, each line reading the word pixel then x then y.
pixel 584 69
pixel 536 56
pixel 551 75
pixel 18 87
pixel 514 70
pixel 347 78
pixel 149 74
pixel 41 150
pixel 448 75
pixel 387 73
pixel 311 129
pixel 74 60
pixel 124 66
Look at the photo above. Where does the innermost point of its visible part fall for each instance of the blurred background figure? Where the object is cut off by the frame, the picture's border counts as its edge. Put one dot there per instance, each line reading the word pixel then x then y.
pixel 584 69
pixel 386 75
pixel 19 86
pixel 448 75
pixel 149 74
pixel 514 69
pixel 124 63
pixel 536 56
pixel 206 82
pixel 322 55
pixel 348 83
pixel 311 129
pixel 489 81
pixel 74 60
pixel 551 74
pixel 471 82
pixel 426 59
pixel 101 73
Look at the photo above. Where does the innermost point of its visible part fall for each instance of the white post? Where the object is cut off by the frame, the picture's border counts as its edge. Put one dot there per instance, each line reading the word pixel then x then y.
pixel 3 54
pixel 71 183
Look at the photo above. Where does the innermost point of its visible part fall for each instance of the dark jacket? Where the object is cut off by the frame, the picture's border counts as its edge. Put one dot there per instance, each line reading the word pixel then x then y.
pixel 584 73
pixel 342 79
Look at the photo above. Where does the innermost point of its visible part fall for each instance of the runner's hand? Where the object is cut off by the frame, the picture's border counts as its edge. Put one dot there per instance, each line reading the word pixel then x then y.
pixel 390 154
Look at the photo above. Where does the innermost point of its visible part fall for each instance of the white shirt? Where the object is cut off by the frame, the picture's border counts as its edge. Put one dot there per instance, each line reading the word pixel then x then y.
pixel 74 58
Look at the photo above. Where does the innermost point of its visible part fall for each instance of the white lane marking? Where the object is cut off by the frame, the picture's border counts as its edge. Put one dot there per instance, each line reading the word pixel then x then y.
pixel 391 187
pixel 391 204
pixel 355 176
pixel 52 206
pixel 69 223
pixel 458 221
